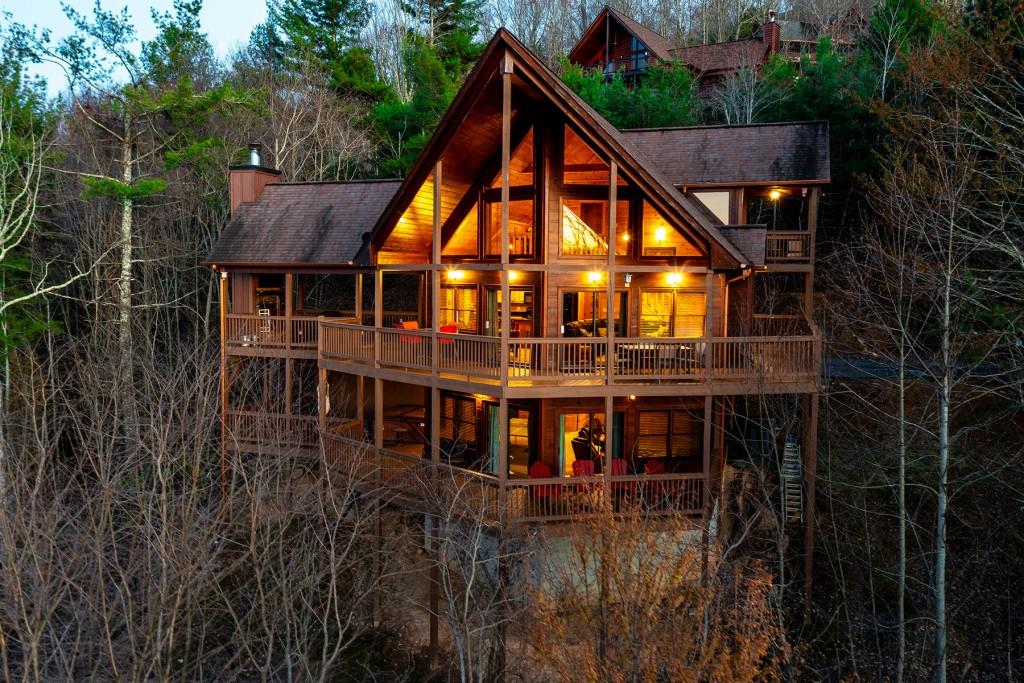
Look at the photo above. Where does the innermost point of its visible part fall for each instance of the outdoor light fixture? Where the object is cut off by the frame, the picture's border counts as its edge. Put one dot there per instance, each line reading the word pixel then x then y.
pixel 625 237
pixel 594 276
pixel 660 235
pixel 628 278
pixel 456 274
pixel 632 397
pixel 513 275
pixel 774 194
pixel 674 279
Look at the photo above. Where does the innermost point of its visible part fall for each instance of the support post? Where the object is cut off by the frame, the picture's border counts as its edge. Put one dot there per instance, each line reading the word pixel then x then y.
pixel 502 472
pixel 506 154
pixel 289 285
pixel 358 307
pixel 612 276
pixel 435 274
pixel 812 229
pixel 810 458
pixel 321 398
pixel 224 388
pixel 378 413
pixel 378 313
pixel 709 294
pixel 609 440
pixel 435 425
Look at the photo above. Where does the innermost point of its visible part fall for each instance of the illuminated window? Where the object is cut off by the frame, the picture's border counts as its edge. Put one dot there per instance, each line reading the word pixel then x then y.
pixel 521 233
pixel 459 305
pixel 660 238
pixel 666 313
pixel 520 168
pixel 585 227
pixel 463 241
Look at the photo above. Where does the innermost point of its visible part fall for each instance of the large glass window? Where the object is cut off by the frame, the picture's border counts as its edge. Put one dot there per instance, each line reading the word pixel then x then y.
pixel 585 314
pixel 675 433
pixel 460 305
pixel 585 227
pixel 672 313
pixel 464 241
pixel 582 436
pixel 521 233
pixel 660 238
pixel 778 208
pixel 521 164
pixel 459 431
pixel 329 295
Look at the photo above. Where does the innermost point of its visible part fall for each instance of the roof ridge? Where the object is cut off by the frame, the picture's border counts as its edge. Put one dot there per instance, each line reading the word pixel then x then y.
pixel 354 181
pixel 727 125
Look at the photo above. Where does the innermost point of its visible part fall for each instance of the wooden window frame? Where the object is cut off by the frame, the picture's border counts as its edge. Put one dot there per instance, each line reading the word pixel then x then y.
pixel 672 314
pixel 670 413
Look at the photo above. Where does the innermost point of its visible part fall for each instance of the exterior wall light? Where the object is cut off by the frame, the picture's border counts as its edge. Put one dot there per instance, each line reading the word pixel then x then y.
pixel 774 194
pixel 456 275
pixel 674 279
pixel 660 235
pixel 594 276
pixel 628 278
pixel 513 275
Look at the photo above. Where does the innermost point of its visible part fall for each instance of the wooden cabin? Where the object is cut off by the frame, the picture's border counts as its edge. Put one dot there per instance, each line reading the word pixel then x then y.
pixel 615 43
pixel 565 314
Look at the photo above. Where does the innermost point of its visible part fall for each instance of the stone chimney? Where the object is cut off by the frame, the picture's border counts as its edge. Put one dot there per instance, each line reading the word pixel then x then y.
pixel 771 33
pixel 248 180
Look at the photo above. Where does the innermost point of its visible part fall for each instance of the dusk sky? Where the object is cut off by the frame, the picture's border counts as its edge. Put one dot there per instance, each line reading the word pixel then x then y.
pixel 227 23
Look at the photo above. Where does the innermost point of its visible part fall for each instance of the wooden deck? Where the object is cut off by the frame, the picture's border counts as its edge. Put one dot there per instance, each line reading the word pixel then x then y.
pixel 417 483
pixel 636 361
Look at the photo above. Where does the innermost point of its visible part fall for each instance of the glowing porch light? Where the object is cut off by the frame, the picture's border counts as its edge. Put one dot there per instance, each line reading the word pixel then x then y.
pixel 456 275
pixel 594 276
pixel 774 194
pixel 674 279
pixel 513 275
pixel 661 234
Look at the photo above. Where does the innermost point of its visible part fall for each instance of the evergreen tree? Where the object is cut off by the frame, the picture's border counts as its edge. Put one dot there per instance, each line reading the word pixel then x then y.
pixel 664 97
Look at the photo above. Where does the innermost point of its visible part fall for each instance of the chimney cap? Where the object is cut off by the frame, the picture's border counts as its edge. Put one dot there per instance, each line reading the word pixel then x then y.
pixel 254 161
pixel 771 15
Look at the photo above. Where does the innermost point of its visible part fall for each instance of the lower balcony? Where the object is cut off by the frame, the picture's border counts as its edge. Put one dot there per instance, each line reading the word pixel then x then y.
pixel 252 431
pixel 430 487
pixel 271 335
pixel 756 361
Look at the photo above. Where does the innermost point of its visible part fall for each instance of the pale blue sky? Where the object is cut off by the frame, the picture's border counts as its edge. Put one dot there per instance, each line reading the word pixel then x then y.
pixel 226 22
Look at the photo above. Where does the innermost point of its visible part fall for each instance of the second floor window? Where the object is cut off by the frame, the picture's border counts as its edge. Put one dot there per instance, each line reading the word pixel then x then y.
pixel 460 305
pixel 672 313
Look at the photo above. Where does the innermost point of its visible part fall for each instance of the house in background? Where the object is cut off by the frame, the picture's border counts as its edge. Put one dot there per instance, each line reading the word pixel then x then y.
pixel 570 317
pixel 618 44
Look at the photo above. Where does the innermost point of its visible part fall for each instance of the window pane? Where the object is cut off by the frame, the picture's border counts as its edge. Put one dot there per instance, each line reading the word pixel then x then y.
pixel 655 314
pixel 716 202
pixel 582 166
pixel 464 241
pixel 687 434
pixel 689 315
pixel 584 227
pixel 459 305
pixel 653 437
pixel 520 171
pixel 659 238
pixel 520 228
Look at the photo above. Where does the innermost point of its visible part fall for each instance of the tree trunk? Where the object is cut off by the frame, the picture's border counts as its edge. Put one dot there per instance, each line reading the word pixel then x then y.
pixel 124 291
pixel 941 502
pixel 901 585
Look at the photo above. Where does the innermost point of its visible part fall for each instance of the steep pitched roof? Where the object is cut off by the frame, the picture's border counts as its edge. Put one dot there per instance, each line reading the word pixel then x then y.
pixel 659 45
pixel 303 224
pixel 776 153
pixel 687 212
pixel 728 56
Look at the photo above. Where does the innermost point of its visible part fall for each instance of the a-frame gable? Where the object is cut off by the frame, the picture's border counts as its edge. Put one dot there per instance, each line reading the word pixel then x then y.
pixel 469 105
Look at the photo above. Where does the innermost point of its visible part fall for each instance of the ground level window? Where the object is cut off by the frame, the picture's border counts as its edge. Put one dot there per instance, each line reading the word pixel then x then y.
pixel 582 436
pixel 674 433
pixel 458 431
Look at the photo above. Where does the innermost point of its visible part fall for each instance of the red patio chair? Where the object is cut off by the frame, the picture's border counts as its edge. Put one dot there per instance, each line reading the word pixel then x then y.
pixel 446 345
pixel 584 468
pixel 542 492
pixel 654 490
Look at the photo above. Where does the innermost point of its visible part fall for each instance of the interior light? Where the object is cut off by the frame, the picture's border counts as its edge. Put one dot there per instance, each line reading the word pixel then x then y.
pixel 628 278
pixel 774 194
pixel 674 279
pixel 660 235
pixel 456 274
pixel 625 237
pixel 594 276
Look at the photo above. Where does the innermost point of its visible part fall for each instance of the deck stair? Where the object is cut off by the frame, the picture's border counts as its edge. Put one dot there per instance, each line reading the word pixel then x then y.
pixel 792 482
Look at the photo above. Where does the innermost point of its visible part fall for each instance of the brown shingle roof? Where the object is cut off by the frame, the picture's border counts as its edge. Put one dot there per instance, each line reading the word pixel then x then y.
pixel 729 56
pixel 659 45
pixel 304 223
pixel 749 239
pixel 737 155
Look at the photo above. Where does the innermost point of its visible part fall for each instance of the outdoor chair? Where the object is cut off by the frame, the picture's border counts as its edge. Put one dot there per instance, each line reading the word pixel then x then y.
pixel 543 493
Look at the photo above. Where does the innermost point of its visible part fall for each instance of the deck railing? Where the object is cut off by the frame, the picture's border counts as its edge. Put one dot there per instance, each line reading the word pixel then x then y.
pixel 278 332
pixel 255 429
pixel 753 359
pixel 441 487
pixel 787 247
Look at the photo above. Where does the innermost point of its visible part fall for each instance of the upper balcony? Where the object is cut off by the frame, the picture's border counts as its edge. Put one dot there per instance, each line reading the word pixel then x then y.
pixel 761 364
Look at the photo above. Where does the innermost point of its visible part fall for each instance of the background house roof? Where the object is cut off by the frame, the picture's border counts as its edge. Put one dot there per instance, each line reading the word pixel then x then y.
pixel 738 155
pixel 728 56
pixel 304 223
